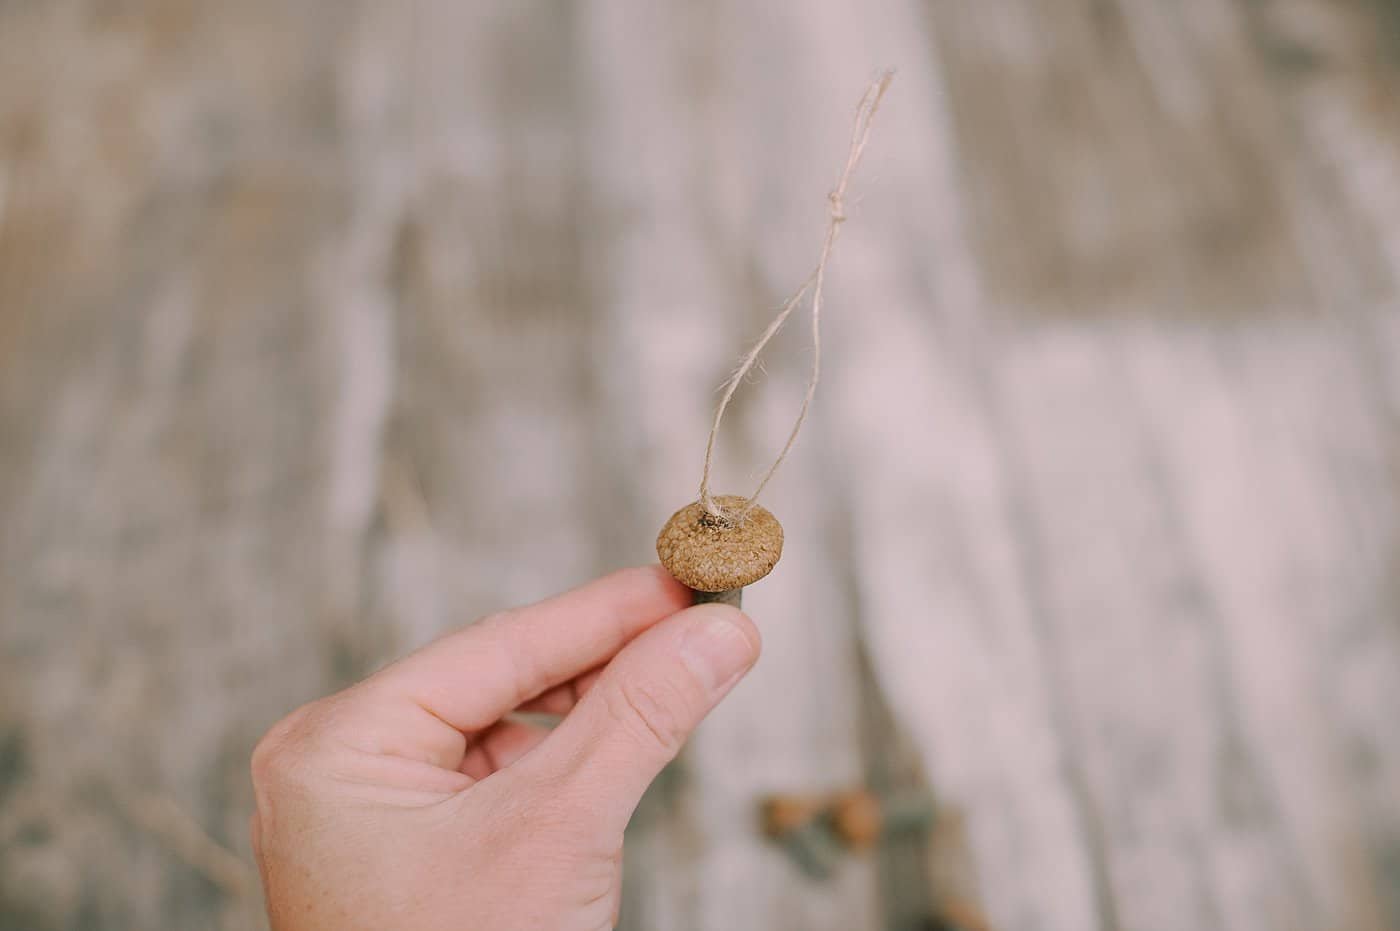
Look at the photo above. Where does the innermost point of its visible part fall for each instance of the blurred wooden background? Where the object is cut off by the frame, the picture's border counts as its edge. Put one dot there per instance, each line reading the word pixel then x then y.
pixel 328 325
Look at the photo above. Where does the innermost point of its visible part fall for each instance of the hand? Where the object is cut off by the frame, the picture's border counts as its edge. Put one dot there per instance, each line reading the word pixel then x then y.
pixel 410 801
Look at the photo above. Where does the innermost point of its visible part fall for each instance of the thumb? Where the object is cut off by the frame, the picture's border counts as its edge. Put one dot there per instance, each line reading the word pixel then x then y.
pixel 633 721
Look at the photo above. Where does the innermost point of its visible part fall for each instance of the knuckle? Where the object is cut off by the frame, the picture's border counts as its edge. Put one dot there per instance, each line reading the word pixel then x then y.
pixel 652 712
pixel 276 756
pixel 266 760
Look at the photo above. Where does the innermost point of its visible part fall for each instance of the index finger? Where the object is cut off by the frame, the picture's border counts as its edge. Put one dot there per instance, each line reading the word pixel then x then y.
pixel 471 677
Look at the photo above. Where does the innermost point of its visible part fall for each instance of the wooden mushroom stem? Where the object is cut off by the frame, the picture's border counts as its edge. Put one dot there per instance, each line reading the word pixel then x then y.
pixel 733 596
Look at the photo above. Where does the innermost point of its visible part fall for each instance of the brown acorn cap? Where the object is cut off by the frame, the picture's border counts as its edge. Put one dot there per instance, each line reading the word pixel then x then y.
pixel 858 819
pixel 718 554
pixel 780 815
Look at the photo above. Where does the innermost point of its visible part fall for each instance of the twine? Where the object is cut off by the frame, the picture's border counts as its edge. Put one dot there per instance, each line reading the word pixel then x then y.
pixel 860 134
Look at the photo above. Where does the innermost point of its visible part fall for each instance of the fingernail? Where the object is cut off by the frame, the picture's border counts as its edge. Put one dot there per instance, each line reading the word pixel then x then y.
pixel 717 651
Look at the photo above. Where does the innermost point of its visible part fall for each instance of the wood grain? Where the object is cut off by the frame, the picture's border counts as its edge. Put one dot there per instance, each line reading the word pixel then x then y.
pixel 326 327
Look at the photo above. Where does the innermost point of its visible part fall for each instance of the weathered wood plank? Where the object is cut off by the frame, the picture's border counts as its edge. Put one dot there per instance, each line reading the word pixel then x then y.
pixel 326 327
pixel 164 401
pixel 1087 493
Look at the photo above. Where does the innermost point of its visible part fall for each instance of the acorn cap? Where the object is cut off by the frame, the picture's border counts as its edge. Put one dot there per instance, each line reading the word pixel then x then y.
pixel 718 554
pixel 780 815
pixel 858 819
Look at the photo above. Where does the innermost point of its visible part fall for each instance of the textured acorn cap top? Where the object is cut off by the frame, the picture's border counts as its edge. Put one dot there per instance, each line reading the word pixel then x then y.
pixel 712 554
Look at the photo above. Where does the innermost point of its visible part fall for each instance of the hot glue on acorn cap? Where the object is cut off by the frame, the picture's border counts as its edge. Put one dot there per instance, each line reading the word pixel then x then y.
pixel 720 552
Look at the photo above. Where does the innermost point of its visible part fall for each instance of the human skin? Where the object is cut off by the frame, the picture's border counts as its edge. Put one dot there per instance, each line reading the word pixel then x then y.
pixel 410 800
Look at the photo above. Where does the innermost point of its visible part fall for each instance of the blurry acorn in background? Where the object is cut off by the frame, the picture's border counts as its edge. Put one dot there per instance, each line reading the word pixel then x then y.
pixel 857 819
pixel 860 818
pixel 799 824
pixel 780 815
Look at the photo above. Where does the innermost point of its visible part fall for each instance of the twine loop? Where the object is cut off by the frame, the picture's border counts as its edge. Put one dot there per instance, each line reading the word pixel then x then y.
pixel 860 135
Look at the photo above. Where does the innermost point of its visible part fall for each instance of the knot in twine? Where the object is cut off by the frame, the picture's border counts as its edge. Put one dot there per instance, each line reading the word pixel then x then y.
pixel 836 199
pixel 838 206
